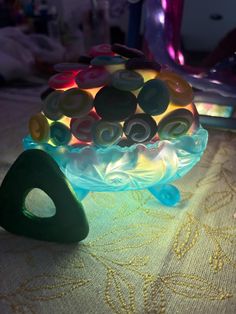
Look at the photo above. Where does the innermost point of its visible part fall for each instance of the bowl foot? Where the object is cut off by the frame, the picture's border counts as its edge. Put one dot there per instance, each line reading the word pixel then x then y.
pixel 166 194
pixel 80 193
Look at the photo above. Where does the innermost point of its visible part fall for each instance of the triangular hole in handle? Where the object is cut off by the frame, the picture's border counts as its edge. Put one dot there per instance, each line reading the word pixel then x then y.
pixel 38 204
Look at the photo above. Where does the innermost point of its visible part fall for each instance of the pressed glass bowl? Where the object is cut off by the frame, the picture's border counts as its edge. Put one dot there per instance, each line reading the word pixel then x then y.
pixel 140 166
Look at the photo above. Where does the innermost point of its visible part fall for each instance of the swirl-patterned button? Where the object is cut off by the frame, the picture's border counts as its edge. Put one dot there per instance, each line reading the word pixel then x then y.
pixel 51 106
pixel 113 104
pixel 76 103
pixel 106 133
pixel 154 97
pixel 175 124
pixel 81 128
pixel 117 84
pixel 127 80
pixel 181 92
pixel 140 128
pixel 62 81
pixel 92 78
pixel 59 134
pixel 39 128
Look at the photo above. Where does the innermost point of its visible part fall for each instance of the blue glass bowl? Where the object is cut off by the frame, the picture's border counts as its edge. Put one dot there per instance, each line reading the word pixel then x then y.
pixel 140 166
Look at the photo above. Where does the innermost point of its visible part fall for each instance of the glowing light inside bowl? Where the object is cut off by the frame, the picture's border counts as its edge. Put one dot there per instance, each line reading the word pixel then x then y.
pixel 147 74
pixel 127 165
pixel 137 167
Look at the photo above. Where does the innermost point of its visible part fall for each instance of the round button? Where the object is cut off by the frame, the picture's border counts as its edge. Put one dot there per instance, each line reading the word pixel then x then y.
pixel 106 133
pixel 181 92
pixel 81 128
pixel 127 80
pixel 59 134
pixel 175 124
pixel 75 103
pixel 62 81
pixel 39 128
pixel 92 78
pixel 51 106
pixel 154 97
pixel 113 104
pixel 140 128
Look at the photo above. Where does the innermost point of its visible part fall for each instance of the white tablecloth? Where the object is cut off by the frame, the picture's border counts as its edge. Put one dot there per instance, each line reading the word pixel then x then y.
pixel 139 257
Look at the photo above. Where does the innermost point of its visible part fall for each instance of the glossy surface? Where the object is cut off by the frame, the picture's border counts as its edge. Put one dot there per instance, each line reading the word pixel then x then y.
pixel 167 194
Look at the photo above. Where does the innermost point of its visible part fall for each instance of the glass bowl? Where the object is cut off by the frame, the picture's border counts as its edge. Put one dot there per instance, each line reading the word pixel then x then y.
pixel 140 166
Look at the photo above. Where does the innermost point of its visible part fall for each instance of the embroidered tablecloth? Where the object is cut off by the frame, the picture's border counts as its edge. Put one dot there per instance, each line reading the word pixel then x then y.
pixel 139 257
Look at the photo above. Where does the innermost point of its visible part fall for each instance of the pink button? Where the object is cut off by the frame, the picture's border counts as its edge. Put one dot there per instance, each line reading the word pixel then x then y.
pixel 92 78
pixel 81 128
pixel 62 81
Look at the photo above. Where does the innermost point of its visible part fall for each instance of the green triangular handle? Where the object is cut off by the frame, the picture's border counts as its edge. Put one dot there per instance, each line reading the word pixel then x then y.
pixel 36 169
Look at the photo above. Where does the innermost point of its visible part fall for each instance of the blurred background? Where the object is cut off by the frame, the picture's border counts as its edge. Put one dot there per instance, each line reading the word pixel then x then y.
pixel 35 34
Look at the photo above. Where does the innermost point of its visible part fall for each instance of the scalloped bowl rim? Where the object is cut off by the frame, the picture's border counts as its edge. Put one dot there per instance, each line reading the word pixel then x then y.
pixel 185 159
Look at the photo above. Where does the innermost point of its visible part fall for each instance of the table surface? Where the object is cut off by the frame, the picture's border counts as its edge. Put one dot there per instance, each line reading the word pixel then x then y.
pixel 139 257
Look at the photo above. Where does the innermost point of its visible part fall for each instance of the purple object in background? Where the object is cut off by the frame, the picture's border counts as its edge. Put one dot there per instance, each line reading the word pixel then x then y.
pixel 163 23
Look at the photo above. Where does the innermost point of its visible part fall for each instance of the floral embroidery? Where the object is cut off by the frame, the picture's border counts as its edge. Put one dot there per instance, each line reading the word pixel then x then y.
pixel 138 256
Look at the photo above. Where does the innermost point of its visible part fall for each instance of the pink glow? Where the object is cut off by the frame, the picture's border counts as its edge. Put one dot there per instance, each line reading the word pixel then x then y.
pixel 180 58
pixel 164 4
pixel 171 51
